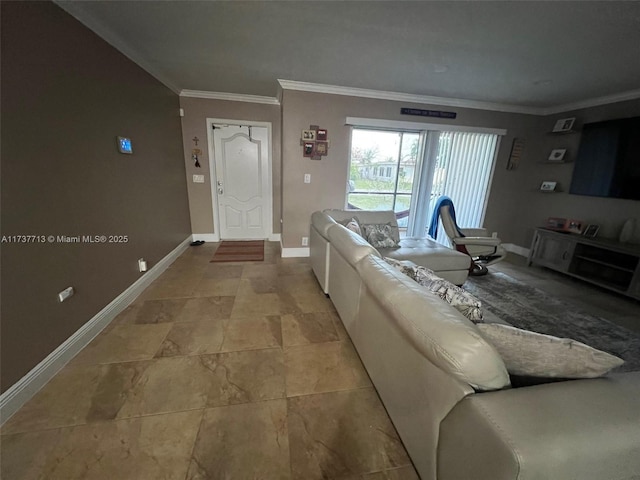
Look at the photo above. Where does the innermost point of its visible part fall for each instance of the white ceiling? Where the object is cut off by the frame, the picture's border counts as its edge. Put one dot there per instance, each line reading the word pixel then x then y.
pixel 537 55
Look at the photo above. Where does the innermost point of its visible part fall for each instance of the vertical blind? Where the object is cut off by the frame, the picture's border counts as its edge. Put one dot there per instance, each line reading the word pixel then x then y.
pixel 463 170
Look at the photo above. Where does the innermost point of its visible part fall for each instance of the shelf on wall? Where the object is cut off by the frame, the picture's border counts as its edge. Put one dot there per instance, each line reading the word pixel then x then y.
pixel 568 132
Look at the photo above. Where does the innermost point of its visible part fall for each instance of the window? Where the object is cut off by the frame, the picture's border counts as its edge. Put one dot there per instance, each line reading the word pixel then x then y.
pixel 408 170
pixel 391 158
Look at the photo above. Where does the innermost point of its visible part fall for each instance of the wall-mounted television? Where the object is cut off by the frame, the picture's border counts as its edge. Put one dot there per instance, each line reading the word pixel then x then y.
pixel 608 160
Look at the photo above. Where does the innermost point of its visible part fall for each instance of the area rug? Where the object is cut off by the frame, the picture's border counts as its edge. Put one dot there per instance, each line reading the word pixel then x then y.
pixel 245 251
pixel 529 308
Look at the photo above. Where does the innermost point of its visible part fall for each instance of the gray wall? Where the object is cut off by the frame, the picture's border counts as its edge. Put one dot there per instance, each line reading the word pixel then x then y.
pixel 329 175
pixel 515 206
pixel 194 124
pixel 536 207
pixel 66 95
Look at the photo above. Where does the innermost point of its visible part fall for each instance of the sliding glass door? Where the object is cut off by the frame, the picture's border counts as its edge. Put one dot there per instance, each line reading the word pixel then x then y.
pixel 407 171
pixel 382 171
pixel 460 168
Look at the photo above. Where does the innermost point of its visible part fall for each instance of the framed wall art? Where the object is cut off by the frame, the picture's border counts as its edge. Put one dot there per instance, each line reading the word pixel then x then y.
pixel 557 155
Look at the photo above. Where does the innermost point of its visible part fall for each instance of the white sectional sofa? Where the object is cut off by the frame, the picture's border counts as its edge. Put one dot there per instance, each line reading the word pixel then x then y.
pixel 448 393
pixel 446 262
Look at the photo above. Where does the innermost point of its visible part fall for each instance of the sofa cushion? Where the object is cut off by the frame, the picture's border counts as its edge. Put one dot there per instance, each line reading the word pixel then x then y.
pixel 368 217
pixel 353 225
pixel 381 235
pixel 428 253
pixel 434 328
pixel 461 300
pixel 352 247
pixel 533 354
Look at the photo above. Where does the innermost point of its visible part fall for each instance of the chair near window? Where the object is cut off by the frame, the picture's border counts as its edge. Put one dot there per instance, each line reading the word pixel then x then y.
pixel 483 249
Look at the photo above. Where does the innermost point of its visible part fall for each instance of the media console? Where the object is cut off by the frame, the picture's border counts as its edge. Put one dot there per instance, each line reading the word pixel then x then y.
pixel 606 263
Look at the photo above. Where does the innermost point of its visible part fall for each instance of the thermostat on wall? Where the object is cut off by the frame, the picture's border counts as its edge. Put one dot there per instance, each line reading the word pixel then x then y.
pixel 124 145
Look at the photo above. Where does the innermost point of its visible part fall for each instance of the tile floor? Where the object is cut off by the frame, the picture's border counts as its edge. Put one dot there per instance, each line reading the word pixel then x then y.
pixel 229 371
pixel 217 371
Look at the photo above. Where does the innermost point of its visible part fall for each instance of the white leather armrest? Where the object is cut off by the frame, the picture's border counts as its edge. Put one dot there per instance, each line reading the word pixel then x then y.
pixel 322 223
pixel 586 429
pixel 485 241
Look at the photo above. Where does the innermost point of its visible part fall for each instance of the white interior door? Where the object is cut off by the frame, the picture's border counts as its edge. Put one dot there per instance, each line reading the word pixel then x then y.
pixel 242 181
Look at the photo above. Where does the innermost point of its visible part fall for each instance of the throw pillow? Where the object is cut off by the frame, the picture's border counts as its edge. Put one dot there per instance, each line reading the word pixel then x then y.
pixel 461 300
pixel 381 235
pixel 353 225
pixel 533 354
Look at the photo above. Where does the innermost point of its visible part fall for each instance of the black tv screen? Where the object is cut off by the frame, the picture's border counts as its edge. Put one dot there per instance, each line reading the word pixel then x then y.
pixel 608 160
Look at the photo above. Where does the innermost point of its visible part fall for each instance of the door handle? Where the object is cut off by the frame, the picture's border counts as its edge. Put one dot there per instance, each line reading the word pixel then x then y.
pixel 219 183
pixel 220 191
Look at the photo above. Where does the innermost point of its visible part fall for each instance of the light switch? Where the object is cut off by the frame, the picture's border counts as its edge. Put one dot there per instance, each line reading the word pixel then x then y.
pixel 307 178
pixel 198 179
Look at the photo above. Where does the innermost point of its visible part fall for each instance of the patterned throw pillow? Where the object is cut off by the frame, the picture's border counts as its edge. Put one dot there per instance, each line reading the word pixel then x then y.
pixel 353 224
pixel 462 301
pixel 533 354
pixel 381 235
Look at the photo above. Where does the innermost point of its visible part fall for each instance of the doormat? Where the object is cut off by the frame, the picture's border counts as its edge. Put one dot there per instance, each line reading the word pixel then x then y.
pixel 250 251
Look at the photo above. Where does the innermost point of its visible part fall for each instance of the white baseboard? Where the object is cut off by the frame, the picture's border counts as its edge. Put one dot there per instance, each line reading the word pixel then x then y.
pixel 206 237
pixel 214 237
pixel 518 250
pixel 25 388
pixel 295 252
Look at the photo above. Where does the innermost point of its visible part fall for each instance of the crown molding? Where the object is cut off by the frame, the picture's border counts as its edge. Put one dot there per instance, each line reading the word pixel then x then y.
pixel 233 97
pixel 593 102
pixel 76 10
pixel 456 102
pixel 407 97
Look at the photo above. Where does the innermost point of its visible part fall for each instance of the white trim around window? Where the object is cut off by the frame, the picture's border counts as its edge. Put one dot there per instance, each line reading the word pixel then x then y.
pixel 418 126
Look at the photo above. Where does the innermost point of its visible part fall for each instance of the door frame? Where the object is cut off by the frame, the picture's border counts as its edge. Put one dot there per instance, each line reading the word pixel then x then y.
pixel 213 176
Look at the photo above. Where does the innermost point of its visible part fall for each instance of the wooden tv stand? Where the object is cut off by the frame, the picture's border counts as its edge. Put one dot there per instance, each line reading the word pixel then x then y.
pixel 606 263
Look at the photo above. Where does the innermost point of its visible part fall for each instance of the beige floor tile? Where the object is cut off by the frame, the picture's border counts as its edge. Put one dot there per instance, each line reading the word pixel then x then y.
pixel 251 305
pixel 305 328
pixel 220 271
pixel 169 385
pixel 402 473
pixel 193 338
pixel 295 267
pixel 143 448
pixel 208 287
pixel 323 367
pixel 252 333
pixel 259 270
pixel 256 285
pixel 298 284
pixel 177 287
pixel 207 308
pixel 305 301
pixel 152 311
pixel 245 377
pixel 333 435
pixel 65 400
pixel 124 343
pixel 246 441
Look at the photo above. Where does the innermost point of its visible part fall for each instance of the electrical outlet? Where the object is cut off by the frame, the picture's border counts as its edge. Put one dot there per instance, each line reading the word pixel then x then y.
pixel 198 179
pixel 66 293
pixel 305 241
pixel 307 178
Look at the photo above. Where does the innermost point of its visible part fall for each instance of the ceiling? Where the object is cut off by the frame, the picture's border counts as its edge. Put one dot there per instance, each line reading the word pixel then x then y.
pixel 536 55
